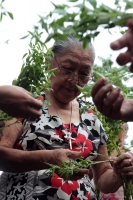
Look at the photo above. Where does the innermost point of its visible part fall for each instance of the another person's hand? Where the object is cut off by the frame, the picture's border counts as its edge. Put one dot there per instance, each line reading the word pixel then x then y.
pixel 58 156
pixel 125 41
pixel 18 102
pixel 111 103
pixel 124 165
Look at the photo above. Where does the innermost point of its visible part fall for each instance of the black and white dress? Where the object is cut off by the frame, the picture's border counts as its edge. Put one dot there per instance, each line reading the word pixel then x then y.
pixel 48 132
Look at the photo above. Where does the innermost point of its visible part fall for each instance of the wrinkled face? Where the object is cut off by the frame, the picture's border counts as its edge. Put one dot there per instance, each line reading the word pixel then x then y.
pixel 79 62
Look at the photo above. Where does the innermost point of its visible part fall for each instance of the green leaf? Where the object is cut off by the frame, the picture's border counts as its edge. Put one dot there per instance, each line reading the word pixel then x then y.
pixel 24 55
pixel 24 37
pixel 93 3
pixel 10 15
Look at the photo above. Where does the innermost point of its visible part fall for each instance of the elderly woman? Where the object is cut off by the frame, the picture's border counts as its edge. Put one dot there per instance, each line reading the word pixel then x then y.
pixel 64 133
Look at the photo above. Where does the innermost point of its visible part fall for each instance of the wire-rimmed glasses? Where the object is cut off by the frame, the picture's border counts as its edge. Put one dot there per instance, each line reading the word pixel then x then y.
pixel 69 75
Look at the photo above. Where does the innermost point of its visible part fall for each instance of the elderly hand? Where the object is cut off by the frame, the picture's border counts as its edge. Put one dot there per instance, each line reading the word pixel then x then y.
pixel 58 156
pixel 124 165
pixel 18 102
pixel 111 103
pixel 125 41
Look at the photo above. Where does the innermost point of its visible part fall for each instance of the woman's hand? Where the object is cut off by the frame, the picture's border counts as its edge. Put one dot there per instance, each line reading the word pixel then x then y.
pixel 111 103
pixel 58 156
pixel 124 165
pixel 125 41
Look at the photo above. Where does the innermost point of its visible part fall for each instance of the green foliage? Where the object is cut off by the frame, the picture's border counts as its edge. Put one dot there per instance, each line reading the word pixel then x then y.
pixel 83 18
pixel 35 72
pixel 116 76
pixel 68 169
pixel 128 188
pixel 4 116
pixel 131 143
pixel 113 129
pixel 4 12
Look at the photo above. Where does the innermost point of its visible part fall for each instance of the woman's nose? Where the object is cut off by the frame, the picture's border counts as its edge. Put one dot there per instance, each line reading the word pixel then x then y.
pixel 74 80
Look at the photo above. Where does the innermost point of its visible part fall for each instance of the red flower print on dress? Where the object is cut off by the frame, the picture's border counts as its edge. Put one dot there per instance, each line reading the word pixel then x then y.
pixel 20 119
pixel 88 196
pixel 82 144
pixel 17 146
pixel 73 128
pixel 75 198
pixel 66 186
pixel 59 133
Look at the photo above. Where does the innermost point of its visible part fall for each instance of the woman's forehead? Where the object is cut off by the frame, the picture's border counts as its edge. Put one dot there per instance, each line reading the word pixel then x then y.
pixel 81 55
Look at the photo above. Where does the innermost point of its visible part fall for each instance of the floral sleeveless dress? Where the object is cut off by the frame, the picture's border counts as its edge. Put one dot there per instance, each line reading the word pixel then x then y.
pixel 48 132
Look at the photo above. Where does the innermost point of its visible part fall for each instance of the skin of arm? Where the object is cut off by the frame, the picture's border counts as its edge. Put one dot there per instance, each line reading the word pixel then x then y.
pixel 17 161
pixel 12 130
pixel 105 178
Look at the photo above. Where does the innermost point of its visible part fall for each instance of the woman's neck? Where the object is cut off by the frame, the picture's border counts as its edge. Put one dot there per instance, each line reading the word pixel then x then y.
pixel 64 110
pixel 61 105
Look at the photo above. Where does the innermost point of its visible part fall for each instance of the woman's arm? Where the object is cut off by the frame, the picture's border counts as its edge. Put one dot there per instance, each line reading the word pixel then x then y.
pixel 106 180
pixel 12 160
pixel 12 130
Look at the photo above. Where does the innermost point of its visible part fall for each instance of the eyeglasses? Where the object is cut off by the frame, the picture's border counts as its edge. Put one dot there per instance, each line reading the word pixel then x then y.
pixel 69 75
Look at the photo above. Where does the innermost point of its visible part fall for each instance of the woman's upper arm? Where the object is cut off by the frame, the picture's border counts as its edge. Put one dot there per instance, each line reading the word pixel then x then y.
pixel 11 133
pixel 99 169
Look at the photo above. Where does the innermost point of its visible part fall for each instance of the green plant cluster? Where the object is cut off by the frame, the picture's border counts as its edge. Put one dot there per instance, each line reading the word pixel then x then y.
pixel 4 116
pixel 128 188
pixel 68 169
pixel 35 72
pixel 3 11
pixel 83 19
pixel 113 129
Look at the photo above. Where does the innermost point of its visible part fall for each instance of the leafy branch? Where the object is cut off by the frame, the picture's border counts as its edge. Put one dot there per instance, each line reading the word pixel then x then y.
pixel 35 72
pixel 69 168
pixel 4 12
pixel 83 19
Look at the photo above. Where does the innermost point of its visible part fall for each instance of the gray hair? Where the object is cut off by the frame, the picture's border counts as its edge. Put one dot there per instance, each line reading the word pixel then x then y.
pixel 61 46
